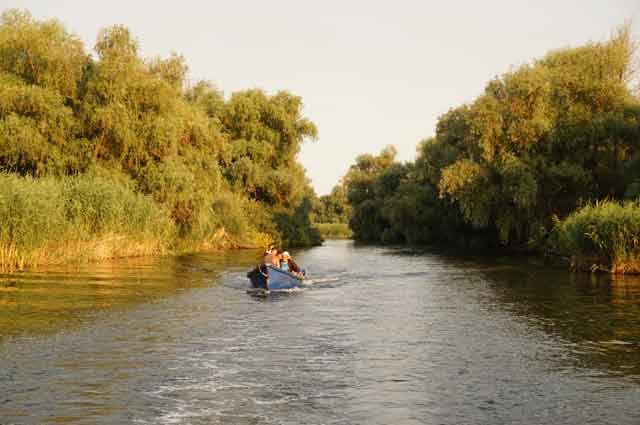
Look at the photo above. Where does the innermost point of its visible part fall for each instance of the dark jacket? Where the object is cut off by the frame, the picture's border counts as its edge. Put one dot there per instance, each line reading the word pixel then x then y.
pixel 259 277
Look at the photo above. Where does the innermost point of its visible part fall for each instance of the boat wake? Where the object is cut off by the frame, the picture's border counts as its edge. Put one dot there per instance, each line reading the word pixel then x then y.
pixel 298 289
pixel 320 280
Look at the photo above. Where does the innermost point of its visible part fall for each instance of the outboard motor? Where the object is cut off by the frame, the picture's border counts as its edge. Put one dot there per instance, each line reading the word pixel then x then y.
pixel 258 279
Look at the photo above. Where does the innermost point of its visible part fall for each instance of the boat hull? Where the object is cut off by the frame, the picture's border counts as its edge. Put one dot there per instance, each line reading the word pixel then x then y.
pixel 282 280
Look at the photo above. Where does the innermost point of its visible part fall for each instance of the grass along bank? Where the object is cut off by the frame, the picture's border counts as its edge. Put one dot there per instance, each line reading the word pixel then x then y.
pixel 135 157
pixel 602 236
pixel 86 218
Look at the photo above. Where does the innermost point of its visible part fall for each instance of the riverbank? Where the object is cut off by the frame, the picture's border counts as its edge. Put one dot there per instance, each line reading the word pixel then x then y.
pixel 109 154
pixel 599 237
pixel 87 218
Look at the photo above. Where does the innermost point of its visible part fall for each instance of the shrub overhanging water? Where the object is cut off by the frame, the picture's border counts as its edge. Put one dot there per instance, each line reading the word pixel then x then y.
pixel 603 236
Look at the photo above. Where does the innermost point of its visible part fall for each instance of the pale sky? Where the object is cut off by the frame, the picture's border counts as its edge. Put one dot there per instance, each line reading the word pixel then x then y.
pixel 371 73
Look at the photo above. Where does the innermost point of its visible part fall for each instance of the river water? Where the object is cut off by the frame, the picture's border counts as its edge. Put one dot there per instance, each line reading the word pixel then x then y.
pixel 386 336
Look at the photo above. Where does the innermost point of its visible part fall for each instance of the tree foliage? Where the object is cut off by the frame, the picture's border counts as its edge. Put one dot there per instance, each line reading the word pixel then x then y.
pixel 539 142
pixel 135 120
pixel 267 133
pixel 332 208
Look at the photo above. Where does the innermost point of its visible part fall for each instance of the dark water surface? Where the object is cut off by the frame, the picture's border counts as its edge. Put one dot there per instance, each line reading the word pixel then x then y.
pixel 391 337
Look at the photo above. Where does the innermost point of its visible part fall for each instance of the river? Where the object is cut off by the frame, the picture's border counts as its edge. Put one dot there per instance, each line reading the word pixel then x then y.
pixel 387 336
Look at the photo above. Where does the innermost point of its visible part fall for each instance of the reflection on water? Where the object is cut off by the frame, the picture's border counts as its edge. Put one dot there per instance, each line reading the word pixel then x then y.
pixel 47 300
pixel 391 336
pixel 598 314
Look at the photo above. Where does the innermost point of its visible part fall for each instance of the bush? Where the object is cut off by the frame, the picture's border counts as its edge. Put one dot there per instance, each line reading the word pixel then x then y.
pixel 602 236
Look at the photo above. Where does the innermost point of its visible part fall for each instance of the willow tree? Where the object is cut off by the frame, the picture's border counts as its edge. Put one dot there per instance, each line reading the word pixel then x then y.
pixel 266 134
pixel 539 142
pixel 367 222
pixel 41 53
pixel 41 68
pixel 395 202
pixel 543 138
pixel 210 163
pixel 332 208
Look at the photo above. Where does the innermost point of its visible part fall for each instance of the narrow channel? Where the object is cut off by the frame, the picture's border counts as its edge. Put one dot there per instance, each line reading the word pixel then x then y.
pixel 385 336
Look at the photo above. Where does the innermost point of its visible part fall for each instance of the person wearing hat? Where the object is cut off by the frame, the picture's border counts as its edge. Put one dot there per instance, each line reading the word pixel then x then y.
pixel 291 265
pixel 284 261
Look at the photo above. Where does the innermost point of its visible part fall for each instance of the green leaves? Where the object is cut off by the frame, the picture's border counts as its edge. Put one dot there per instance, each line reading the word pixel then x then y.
pixel 539 141
pixel 469 184
pixel 196 155
pixel 41 53
pixel 116 42
pixel 332 208
pixel 266 133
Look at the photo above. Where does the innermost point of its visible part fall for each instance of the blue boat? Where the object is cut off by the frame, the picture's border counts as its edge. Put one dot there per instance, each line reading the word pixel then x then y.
pixel 272 279
pixel 282 280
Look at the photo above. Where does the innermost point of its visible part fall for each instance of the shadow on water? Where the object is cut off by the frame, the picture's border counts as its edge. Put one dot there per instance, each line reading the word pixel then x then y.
pixel 599 315
pixel 595 316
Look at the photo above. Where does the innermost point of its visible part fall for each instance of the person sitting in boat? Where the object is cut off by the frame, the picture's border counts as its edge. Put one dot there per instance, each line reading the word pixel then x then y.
pixel 284 261
pixel 292 266
pixel 275 257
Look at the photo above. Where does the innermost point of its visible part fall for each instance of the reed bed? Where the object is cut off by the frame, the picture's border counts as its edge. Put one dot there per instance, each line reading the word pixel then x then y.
pixel 56 220
pixel 603 236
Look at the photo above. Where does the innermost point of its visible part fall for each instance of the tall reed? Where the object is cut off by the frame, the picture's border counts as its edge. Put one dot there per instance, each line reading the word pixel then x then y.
pixel 603 236
pixel 55 220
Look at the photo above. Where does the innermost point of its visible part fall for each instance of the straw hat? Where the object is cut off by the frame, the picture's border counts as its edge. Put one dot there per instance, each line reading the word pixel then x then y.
pixel 286 254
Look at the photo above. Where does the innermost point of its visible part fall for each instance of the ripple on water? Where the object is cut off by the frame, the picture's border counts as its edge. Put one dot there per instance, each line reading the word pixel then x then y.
pixel 382 336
